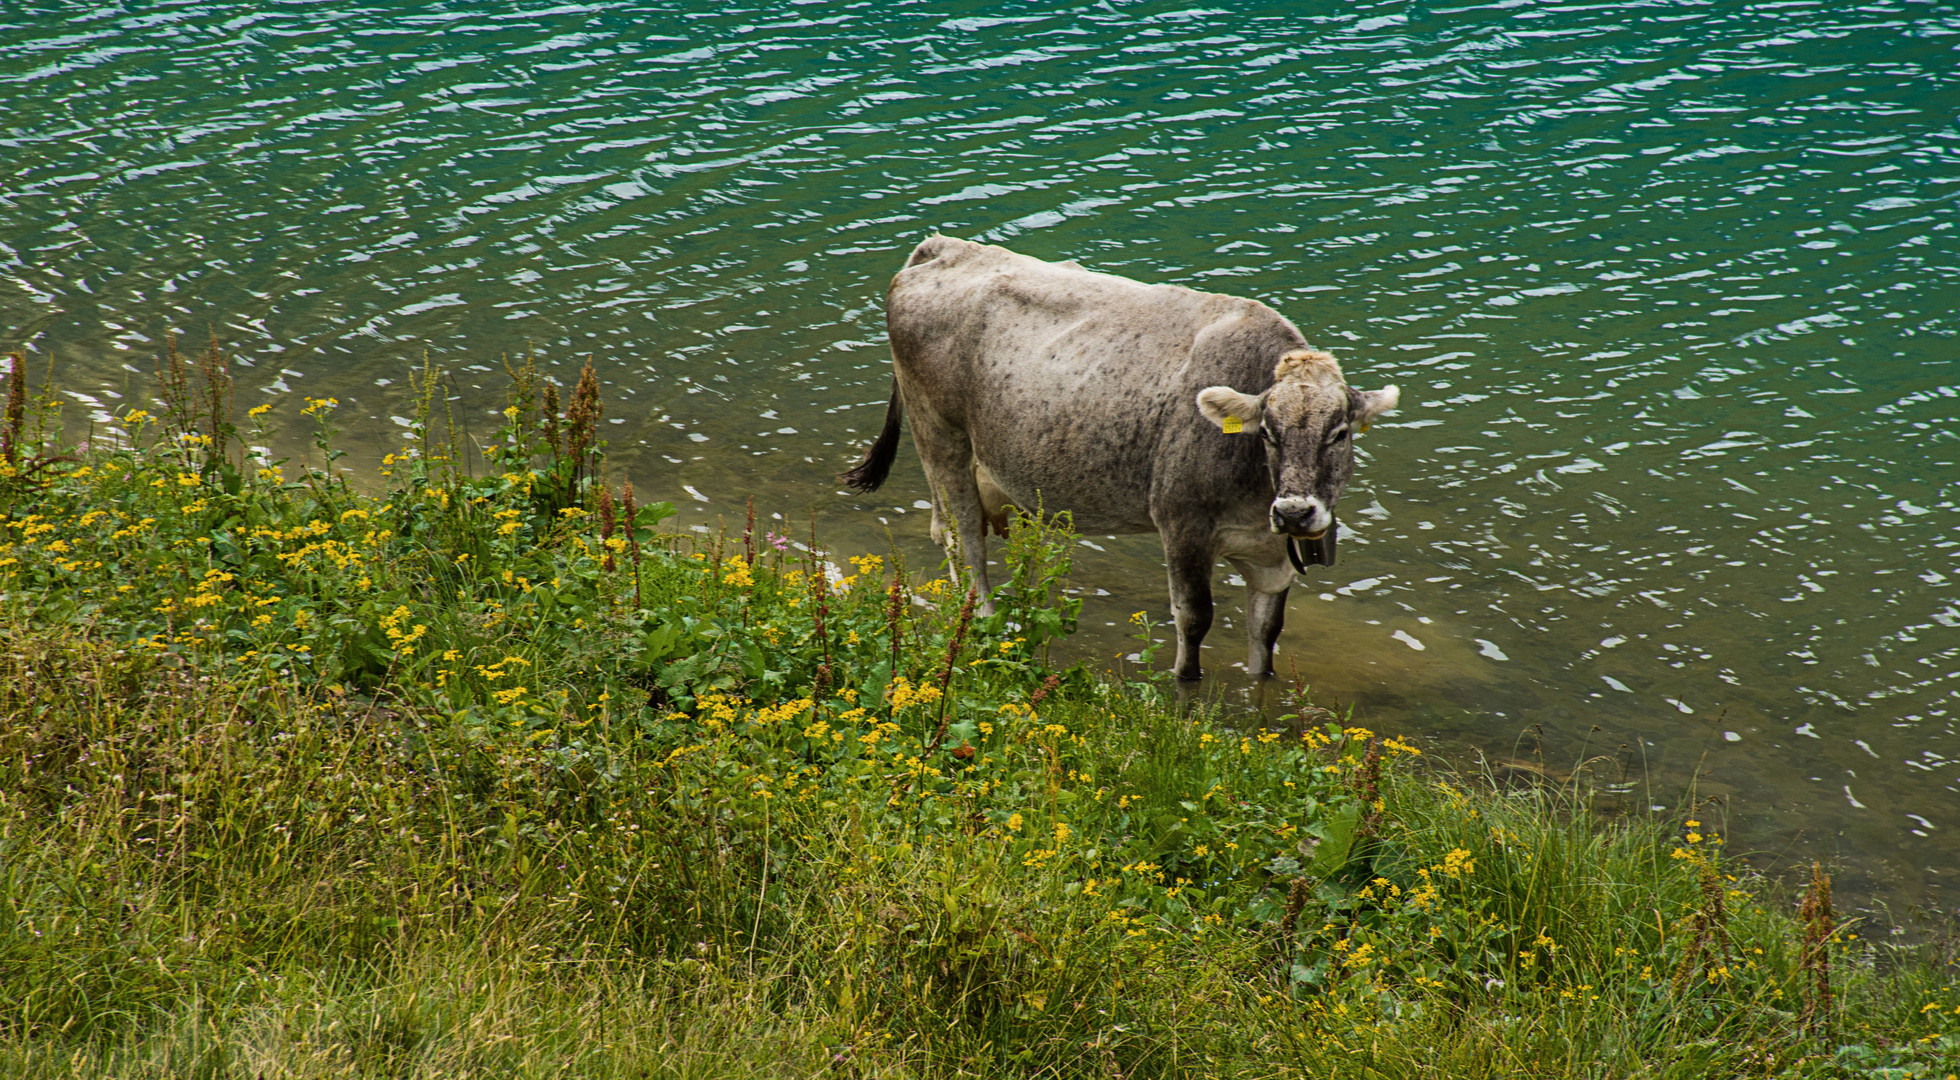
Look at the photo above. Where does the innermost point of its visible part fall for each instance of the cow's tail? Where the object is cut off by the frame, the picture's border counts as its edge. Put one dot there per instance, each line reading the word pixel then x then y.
pixel 877 463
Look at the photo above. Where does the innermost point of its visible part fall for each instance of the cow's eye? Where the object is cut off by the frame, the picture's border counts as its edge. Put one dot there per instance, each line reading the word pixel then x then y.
pixel 1266 433
pixel 1337 434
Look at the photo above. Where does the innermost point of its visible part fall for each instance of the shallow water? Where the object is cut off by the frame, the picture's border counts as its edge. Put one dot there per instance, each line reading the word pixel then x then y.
pixel 1668 288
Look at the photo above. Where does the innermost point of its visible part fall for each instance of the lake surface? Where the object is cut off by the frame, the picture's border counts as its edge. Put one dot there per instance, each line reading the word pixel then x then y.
pixel 1669 289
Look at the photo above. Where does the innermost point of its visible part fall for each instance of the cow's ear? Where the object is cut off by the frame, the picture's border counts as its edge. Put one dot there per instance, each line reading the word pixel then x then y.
pixel 1369 404
pixel 1232 411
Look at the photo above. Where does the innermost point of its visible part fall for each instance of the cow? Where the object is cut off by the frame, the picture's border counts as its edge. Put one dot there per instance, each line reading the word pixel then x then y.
pixel 1137 408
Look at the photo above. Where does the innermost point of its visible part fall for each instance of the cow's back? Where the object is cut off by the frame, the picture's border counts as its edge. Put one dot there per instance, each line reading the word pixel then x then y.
pixel 1074 387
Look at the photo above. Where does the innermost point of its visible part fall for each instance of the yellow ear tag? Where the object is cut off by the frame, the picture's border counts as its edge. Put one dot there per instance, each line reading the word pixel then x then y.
pixel 1231 425
pixel 1364 428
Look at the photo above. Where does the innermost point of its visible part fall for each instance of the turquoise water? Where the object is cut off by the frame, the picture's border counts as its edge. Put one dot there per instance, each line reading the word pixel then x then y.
pixel 1668 288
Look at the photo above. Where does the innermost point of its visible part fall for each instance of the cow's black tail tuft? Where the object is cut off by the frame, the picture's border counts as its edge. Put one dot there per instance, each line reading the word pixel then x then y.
pixel 877 463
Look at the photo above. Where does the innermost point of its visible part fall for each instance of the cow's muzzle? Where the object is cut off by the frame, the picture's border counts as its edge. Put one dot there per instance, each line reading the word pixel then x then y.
pixel 1301 518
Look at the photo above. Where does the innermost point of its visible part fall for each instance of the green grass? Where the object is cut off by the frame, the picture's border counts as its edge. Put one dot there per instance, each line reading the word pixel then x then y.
pixel 451 775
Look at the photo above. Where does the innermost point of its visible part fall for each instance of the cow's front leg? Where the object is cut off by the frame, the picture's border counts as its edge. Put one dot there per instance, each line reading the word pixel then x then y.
pixel 1189 559
pixel 1266 587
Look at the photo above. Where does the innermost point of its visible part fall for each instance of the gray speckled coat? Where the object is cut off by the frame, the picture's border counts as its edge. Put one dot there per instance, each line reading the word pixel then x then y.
pixel 1137 408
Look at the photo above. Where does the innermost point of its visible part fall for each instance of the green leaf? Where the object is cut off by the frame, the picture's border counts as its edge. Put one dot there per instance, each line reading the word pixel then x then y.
pixel 646 517
pixel 658 643
pixel 966 731
pixel 876 680
pixel 1336 838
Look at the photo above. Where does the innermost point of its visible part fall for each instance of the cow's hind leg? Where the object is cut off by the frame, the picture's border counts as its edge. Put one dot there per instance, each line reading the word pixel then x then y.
pixel 1188 558
pixel 1265 610
pixel 947 457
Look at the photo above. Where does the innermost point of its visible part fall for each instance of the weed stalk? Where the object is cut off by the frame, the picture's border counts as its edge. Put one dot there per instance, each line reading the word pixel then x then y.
pixel 1819 926
pixel 16 410
pixel 632 536
pixel 953 648
pixel 606 525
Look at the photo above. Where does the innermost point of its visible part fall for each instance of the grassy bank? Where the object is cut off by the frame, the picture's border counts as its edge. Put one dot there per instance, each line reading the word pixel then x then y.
pixel 446 775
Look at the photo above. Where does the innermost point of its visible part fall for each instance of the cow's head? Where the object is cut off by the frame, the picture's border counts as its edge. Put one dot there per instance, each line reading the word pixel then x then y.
pixel 1308 419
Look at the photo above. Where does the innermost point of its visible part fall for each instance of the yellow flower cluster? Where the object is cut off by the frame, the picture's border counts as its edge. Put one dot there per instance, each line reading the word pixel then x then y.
pixel 1693 838
pixel 340 554
pixel 719 711
pixel 1360 956
pixel 1014 710
pixel 868 565
pixel 902 693
pixel 502 668
pixel 403 640
pixel 879 731
pixel 1424 896
pixel 788 710
pixel 206 592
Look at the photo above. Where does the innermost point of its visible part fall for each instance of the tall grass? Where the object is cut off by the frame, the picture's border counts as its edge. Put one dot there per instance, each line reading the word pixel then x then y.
pixel 452 775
